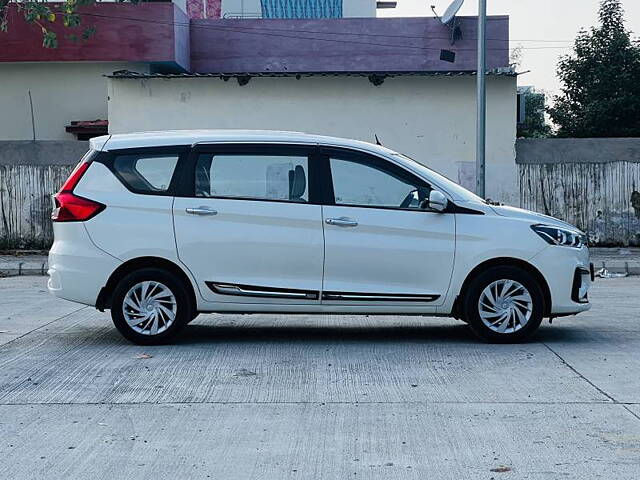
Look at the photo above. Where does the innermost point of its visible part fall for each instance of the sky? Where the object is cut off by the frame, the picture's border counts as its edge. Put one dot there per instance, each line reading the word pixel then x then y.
pixel 544 28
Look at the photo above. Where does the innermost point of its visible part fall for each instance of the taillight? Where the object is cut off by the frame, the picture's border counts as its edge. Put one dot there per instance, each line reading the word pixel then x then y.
pixel 75 177
pixel 70 207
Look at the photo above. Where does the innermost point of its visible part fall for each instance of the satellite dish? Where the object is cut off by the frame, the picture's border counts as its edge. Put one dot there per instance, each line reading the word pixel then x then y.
pixel 450 13
pixel 450 21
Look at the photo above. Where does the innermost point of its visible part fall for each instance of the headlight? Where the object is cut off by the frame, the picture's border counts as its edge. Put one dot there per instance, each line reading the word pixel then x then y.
pixel 560 236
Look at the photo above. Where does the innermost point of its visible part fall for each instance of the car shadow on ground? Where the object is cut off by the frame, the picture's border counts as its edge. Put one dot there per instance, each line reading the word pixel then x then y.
pixel 446 333
pixel 213 331
pixel 310 333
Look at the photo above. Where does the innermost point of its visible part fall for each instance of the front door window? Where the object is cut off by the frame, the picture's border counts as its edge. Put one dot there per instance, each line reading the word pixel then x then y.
pixel 360 184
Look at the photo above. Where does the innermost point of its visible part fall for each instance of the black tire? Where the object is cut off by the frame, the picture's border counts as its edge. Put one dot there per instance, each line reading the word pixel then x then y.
pixel 471 308
pixel 183 309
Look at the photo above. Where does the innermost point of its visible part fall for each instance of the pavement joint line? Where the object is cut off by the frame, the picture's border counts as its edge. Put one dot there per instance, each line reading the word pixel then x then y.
pixel 570 367
pixel 111 404
pixel 625 406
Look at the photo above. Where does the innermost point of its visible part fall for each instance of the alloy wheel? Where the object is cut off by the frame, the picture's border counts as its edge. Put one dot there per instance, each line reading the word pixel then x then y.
pixel 505 306
pixel 149 308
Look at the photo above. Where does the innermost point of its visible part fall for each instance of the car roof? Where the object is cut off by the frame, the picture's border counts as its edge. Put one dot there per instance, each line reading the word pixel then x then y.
pixel 192 137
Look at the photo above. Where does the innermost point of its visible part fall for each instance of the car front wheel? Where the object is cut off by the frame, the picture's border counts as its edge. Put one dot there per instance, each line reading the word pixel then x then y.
pixel 150 306
pixel 504 305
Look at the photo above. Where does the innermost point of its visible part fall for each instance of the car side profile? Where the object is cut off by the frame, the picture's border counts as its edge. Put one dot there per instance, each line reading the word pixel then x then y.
pixel 161 226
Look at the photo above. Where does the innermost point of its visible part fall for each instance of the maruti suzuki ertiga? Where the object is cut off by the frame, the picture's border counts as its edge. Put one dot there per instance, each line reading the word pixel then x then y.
pixel 158 227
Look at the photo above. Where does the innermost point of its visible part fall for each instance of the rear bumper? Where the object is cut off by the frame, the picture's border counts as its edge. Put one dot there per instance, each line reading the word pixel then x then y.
pixel 568 275
pixel 77 268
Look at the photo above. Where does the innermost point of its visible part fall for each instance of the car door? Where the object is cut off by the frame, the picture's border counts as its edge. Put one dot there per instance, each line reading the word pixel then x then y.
pixel 248 229
pixel 381 245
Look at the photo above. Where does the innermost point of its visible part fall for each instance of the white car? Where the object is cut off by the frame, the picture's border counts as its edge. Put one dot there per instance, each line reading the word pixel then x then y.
pixel 160 226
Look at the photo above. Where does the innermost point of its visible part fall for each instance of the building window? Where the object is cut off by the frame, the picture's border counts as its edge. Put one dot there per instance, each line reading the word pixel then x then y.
pixel 301 8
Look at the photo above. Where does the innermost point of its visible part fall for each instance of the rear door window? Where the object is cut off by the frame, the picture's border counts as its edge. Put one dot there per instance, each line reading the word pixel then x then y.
pixel 267 172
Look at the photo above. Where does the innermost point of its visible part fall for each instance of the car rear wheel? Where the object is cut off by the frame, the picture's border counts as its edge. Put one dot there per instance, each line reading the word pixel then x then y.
pixel 150 306
pixel 504 305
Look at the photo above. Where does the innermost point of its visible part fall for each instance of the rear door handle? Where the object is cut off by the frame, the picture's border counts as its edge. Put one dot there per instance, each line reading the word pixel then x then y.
pixel 342 222
pixel 201 211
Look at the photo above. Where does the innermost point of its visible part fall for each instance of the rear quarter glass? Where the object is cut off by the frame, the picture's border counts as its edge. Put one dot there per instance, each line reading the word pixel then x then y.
pixel 147 171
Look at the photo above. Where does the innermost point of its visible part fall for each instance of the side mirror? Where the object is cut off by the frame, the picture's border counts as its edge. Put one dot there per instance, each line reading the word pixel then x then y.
pixel 437 201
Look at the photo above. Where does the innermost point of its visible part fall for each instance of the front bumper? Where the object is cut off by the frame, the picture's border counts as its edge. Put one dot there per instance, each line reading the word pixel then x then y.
pixel 582 279
pixel 569 276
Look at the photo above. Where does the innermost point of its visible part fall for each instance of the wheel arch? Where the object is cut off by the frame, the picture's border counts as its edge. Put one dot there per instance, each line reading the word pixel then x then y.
pixel 502 262
pixel 104 297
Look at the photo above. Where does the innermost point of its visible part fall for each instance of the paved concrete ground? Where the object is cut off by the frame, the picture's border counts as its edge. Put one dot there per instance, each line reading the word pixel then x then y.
pixel 317 397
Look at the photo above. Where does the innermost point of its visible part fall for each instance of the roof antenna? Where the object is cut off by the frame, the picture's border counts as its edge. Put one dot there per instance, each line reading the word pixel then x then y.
pixel 378 142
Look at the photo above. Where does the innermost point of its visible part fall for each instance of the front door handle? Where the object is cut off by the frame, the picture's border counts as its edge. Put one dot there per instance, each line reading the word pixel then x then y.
pixel 201 211
pixel 342 222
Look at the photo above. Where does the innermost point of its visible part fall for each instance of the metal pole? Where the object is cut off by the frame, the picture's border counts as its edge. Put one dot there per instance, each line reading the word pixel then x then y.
pixel 482 99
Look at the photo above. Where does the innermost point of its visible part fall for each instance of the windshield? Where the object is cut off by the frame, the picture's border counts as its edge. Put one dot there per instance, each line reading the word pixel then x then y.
pixel 459 192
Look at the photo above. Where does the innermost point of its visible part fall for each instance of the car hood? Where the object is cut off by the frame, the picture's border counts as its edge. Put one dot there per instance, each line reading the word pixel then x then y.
pixel 533 217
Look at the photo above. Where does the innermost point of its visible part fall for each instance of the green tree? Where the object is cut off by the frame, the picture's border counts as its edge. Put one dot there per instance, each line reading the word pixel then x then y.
pixel 601 81
pixel 45 15
pixel 534 125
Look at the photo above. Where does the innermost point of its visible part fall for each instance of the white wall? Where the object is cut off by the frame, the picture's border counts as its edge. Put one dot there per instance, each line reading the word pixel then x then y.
pixel 431 119
pixel 61 92
pixel 253 8
pixel 358 8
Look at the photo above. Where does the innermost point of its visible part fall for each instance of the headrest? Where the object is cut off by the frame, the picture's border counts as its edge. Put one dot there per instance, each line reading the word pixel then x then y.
pixel 298 184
